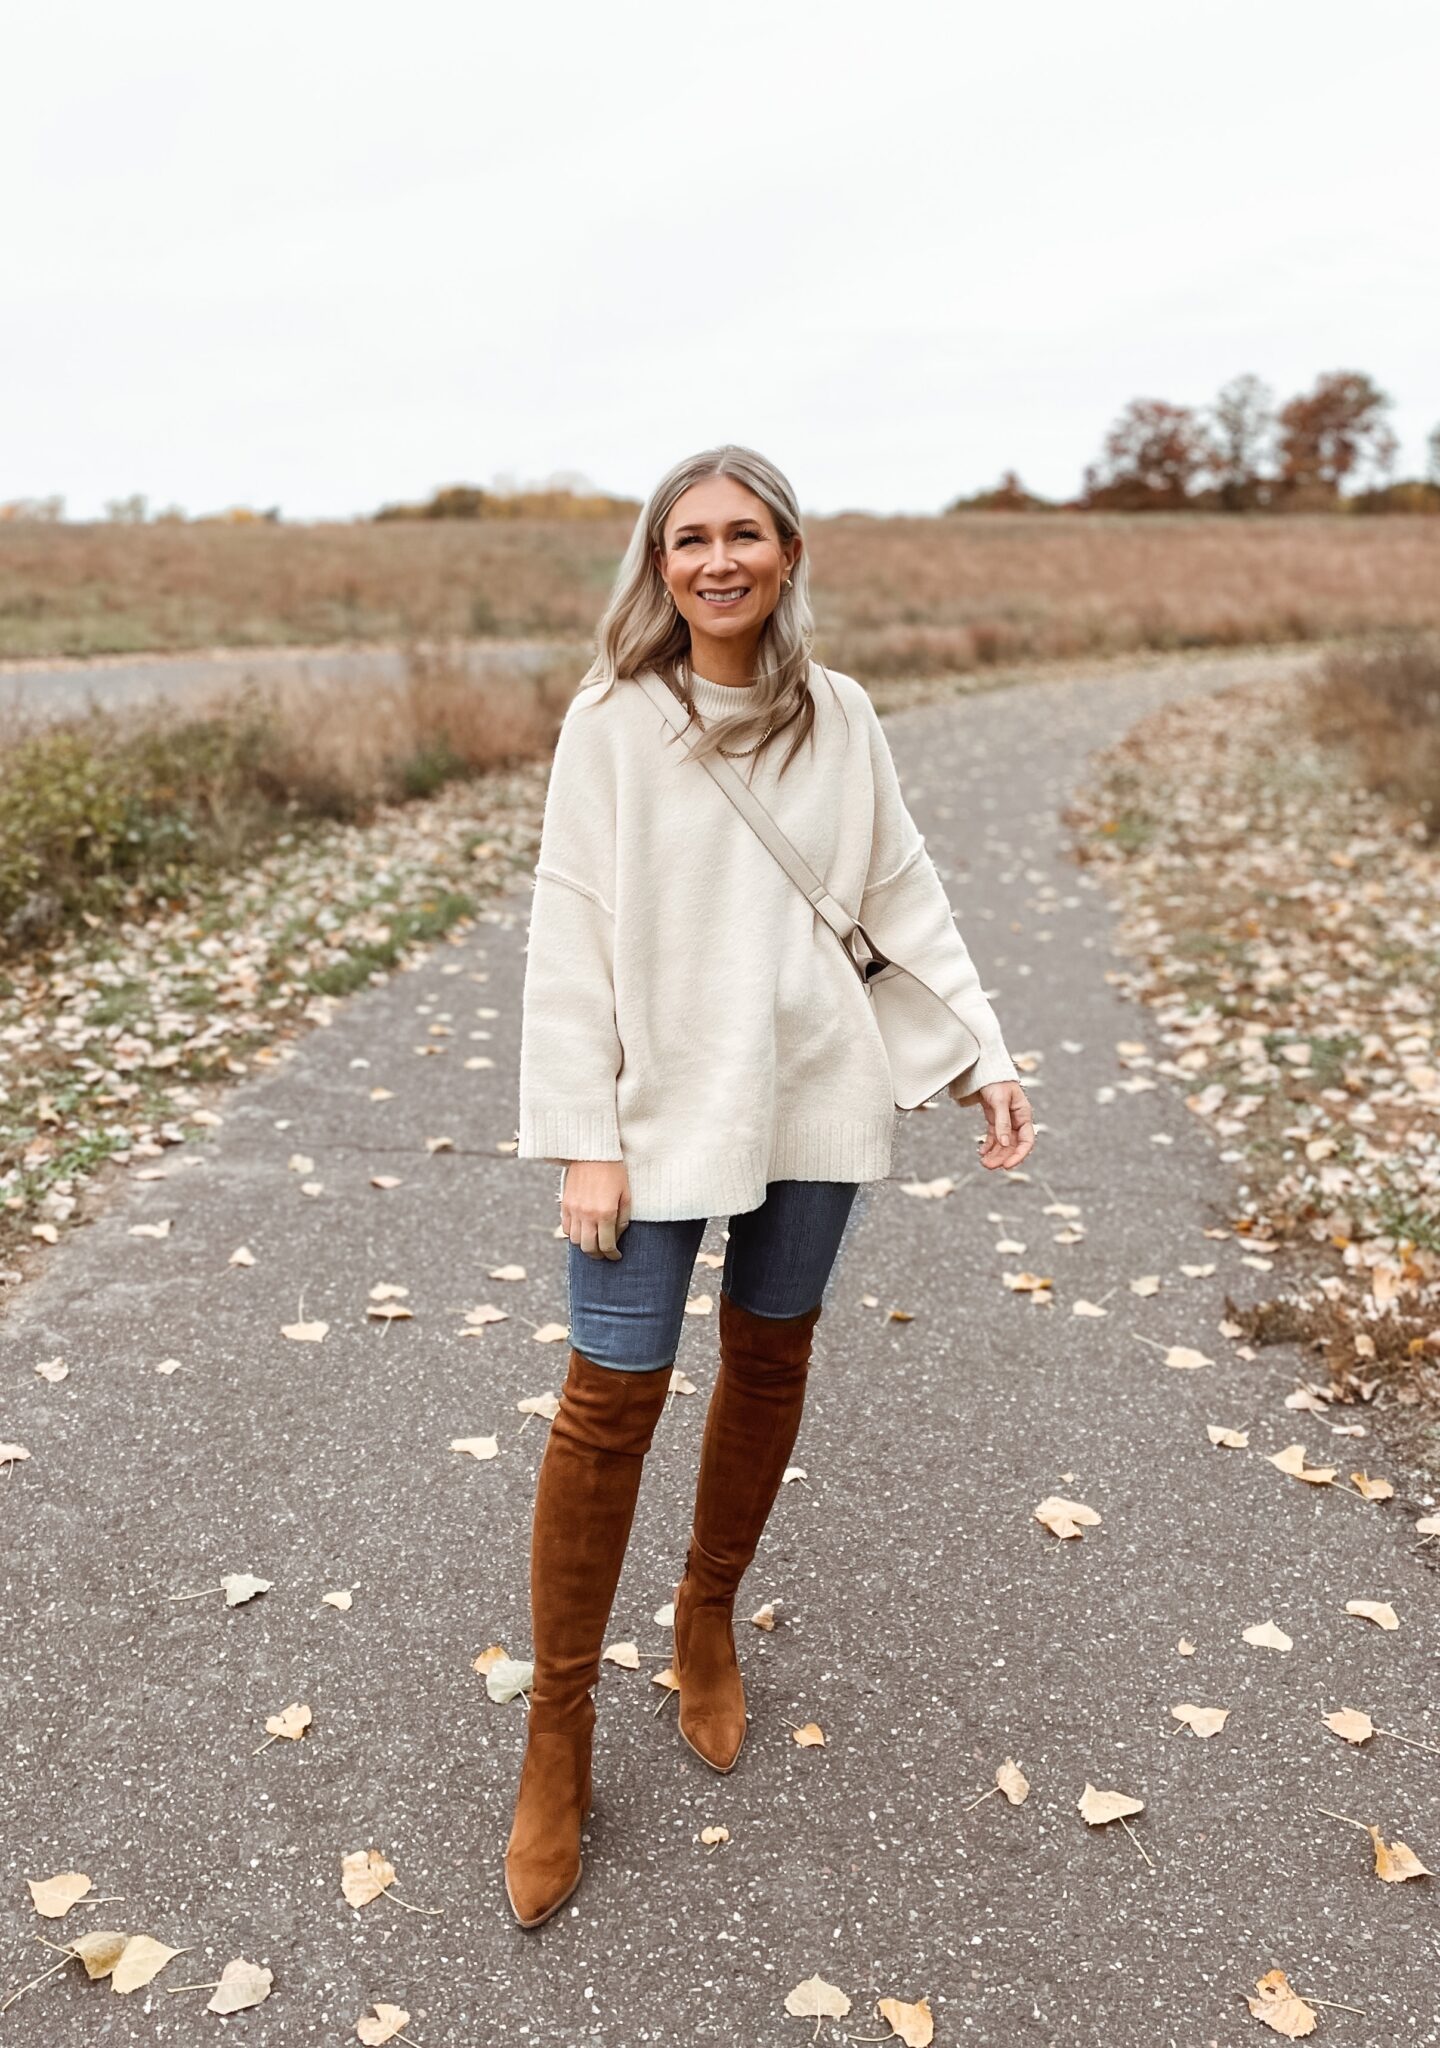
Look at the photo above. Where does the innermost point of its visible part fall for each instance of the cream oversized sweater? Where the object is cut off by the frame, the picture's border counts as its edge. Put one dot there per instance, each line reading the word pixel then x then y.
pixel 685 1008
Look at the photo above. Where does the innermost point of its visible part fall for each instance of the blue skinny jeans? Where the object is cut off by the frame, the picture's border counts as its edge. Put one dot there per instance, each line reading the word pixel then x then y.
pixel 628 1312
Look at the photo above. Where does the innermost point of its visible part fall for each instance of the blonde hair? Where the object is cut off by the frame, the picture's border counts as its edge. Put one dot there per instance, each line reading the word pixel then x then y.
pixel 642 629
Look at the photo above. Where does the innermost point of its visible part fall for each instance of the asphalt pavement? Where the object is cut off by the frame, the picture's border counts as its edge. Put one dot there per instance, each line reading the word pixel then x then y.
pixel 927 1622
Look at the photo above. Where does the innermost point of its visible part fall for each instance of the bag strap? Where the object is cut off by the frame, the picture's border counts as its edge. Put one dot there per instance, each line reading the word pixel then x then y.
pixel 756 815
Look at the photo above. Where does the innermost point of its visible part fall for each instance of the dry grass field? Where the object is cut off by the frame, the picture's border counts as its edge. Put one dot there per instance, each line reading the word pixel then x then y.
pixel 893 596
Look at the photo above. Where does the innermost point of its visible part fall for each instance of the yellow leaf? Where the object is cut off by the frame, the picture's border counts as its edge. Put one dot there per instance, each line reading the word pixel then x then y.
pixel 1373 1489
pixel 1013 1782
pixel 506 1273
pixel 364 1874
pixel 1394 1862
pixel 304 1333
pixel 764 1617
pixel 1184 1648
pixel 1292 1461
pixel 815 1999
pixel 1350 1723
pixel 141 1959
pixel 1379 1611
pixel 710 1836
pixel 810 1736
pixel 913 2024
pixel 624 1654
pixel 1097 1808
pixel 1284 2011
pixel 1227 1439
pixel 477 1446
pixel 1184 1359
pixel 1265 1636
pixel 385 2025
pixel 11 1454
pixel 1202 1721
pixel 99 1951
pixel 242 1586
pixel 291 1724
pixel 54 1896
pixel 1065 1517
pixel 666 1678
pixel 242 1984
pixel 340 1598
pixel 1085 1308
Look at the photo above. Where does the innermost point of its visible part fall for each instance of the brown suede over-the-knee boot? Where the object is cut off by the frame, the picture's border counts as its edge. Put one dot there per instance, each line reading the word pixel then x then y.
pixel 584 1505
pixel 750 1430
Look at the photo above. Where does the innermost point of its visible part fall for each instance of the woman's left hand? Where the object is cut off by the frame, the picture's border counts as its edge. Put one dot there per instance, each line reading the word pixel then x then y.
pixel 1010 1135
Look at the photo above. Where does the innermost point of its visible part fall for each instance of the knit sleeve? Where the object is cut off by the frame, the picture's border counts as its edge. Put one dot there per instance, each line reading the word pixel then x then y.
pixel 570 1052
pixel 905 910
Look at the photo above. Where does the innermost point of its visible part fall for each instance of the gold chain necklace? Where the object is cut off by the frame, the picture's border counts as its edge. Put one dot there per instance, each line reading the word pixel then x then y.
pixel 739 753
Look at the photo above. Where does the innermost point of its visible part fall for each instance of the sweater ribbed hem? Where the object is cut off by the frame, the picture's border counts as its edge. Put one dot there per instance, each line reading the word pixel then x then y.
pixel 568 1134
pixel 673 1185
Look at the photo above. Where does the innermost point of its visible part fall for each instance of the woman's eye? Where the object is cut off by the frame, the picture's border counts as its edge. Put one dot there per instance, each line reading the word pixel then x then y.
pixel 748 534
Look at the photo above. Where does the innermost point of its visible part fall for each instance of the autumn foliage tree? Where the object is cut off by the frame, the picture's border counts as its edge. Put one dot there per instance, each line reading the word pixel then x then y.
pixel 1242 442
pixel 1333 434
pixel 1155 456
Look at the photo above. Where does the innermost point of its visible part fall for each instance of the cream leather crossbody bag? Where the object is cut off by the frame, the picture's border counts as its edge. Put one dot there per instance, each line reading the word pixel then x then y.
pixel 926 1043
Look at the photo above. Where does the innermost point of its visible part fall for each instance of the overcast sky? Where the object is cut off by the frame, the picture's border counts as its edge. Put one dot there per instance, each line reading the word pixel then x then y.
pixel 321 255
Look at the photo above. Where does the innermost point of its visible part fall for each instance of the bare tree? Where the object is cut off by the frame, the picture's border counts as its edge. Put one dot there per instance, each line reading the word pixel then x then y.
pixel 1241 428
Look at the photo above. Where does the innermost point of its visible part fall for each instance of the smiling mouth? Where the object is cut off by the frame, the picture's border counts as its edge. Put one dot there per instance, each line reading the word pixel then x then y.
pixel 724 597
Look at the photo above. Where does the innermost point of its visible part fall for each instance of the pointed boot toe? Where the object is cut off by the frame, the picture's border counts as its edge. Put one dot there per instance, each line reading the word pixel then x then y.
pixel 542 1857
pixel 712 1693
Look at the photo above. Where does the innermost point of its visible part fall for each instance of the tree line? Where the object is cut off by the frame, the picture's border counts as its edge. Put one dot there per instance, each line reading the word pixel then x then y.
pixel 1329 446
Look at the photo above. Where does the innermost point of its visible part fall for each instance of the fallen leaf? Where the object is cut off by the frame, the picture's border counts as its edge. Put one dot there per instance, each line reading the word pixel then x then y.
pixel 1065 1517
pixel 1085 1308
pixel 1394 1862
pixel 1184 1648
pixel 507 1677
pixel 99 1951
pixel 913 2024
pixel 304 1333
pixel 340 1598
pixel 388 1290
pixel 291 1724
pixel 242 1256
pixel 666 1678
pixel 1350 1723
pixel 1185 1359
pixel 11 1454
pixel 54 1896
pixel 1265 1636
pixel 241 1985
pixel 506 1273
pixel 1147 1284
pixel 1013 1782
pixel 763 1617
pixel 241 1586
pixel 151 1229
pixel 141 1959
pixel 547 1405
pixel 364 1874
pixel 1202 1721
pixel 385 2025
pixel 1372 1489
pixel 1097 1808
pixel 384 1180
pixel 53 1369
pixel 815 1999
pixel 1228 1439
pixel 710 1836
pixel 811 1736
pixel 626 1655
pixel 477 1446
pixel 1379 1611
pixel 555 1333
pixel 1292 1462
pixel 390 1312
pixel 1284 2011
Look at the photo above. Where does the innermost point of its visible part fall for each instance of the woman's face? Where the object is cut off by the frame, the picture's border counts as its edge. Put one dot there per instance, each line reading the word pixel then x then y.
pixel 722 559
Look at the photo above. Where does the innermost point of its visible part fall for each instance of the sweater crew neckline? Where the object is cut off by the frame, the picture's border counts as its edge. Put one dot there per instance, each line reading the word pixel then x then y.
pixel 720 700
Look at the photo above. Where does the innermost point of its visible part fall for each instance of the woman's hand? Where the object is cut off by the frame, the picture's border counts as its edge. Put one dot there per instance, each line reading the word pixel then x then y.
pixel 1011 1127
pixel 595 1205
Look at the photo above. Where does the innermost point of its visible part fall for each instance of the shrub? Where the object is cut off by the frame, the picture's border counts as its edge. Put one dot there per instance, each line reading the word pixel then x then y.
pixel 1382 703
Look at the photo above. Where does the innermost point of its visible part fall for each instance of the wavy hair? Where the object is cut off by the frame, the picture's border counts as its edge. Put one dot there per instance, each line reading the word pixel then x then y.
pixel 641 627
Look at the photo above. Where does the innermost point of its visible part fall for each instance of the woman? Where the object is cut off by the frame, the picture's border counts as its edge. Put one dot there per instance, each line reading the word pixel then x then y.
pixel 695 1043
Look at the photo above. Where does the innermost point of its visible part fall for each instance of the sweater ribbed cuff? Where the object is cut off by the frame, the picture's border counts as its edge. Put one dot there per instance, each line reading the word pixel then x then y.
pixel 569 1134
pixel 993 1064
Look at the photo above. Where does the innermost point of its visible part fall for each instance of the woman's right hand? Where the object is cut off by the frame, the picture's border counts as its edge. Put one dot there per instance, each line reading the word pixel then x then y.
pixel 595 1205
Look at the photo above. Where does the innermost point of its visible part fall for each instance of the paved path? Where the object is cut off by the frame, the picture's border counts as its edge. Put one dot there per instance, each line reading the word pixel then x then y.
pixel 930 1625
pixel 34 692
